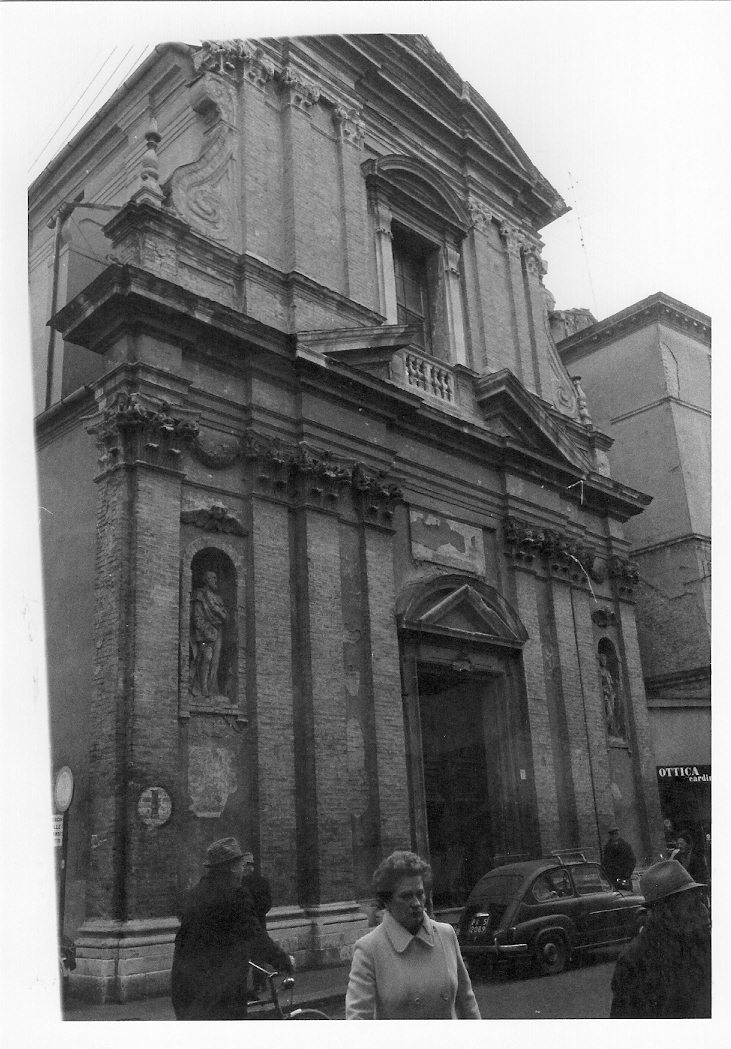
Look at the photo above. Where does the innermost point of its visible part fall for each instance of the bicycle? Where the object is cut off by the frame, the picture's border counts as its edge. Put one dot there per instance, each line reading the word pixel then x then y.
pixel 287 984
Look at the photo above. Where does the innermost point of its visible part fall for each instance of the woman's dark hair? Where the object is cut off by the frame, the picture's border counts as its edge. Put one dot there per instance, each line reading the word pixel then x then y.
pixel 389 872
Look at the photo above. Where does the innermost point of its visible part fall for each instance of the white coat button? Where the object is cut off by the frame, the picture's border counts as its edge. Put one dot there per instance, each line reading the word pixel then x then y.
pixel 445 997
pixel 417 1001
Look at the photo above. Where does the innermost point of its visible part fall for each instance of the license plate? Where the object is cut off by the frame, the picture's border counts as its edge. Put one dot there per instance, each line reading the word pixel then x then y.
pixel 479 926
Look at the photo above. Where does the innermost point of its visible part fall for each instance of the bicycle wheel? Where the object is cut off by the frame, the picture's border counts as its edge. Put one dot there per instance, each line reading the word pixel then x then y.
pixel 308 1014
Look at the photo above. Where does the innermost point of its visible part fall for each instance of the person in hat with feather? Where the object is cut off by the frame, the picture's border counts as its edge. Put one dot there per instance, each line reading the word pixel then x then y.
pixel 219 933
pixel 665 972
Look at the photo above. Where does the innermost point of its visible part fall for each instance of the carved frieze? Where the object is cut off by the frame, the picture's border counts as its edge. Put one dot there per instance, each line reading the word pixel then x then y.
pixel 213 518
pixel 373 494
pixel 480 214
pixel 349 124
pixel 559 551
pixel 302 92
pixel 513 238
pixel 625 574
pixel 604 617
pixel 216 453
pixel 534 264
pixel 138 428
pixel 236 59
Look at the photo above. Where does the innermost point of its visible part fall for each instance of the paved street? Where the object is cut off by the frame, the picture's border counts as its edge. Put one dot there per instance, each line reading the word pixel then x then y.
pixel 582 992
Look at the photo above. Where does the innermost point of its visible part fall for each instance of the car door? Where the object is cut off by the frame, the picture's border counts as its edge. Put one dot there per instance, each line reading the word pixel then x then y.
pixel 600 913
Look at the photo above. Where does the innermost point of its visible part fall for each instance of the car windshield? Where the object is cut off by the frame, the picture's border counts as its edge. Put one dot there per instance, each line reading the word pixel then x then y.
pixel 498 888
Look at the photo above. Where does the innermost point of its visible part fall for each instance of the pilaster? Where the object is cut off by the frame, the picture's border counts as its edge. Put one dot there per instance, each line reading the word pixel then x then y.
pixel 513 242
pixel 540 728
pixel 384 263
pixel 455 307
pixel 390 744
pixel 273 674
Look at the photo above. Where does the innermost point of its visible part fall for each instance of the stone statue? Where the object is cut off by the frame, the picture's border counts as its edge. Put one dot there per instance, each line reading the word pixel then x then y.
pixel 207 618
pixel 611 700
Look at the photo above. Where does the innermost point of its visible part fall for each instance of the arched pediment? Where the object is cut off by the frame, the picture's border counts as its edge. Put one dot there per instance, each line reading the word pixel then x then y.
pixel 463 607
pixel 417 180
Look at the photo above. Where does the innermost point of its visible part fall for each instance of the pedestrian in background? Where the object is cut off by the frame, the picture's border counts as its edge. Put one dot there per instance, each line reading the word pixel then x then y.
pixel 691 856
pixel 218 935
pixel 261 896
pixel 618 860
pixel 410 967
pixel 665 972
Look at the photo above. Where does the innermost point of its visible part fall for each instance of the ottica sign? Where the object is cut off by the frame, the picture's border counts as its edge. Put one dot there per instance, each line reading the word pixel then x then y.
pixel 691 773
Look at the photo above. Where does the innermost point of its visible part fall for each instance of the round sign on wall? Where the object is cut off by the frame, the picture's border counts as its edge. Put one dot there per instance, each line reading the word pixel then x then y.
pixel 154 807
pixel 63 791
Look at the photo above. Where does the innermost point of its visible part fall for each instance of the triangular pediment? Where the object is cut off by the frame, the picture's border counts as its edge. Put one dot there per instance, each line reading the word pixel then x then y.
pixel 464 611
pixel 513 413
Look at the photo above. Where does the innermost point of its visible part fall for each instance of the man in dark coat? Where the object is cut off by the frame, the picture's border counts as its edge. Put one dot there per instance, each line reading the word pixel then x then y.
pixel 619 859
pixel 665 972
pixel 261 895
pixel 218 935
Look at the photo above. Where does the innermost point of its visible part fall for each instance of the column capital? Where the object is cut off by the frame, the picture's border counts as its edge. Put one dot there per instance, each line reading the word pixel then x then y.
pixel 349 124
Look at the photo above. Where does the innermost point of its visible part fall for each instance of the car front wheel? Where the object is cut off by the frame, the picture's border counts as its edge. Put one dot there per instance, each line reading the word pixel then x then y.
pixel 551 954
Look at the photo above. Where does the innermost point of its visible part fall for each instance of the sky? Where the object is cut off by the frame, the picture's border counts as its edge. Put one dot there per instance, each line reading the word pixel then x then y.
pixel 623 107
pixel 620 105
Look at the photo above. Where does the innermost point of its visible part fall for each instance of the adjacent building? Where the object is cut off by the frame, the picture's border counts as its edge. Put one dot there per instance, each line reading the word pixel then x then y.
pixel 647 376
pixel 334 561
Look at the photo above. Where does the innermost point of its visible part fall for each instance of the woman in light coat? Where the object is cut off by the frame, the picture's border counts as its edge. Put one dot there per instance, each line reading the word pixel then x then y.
pixel 410 967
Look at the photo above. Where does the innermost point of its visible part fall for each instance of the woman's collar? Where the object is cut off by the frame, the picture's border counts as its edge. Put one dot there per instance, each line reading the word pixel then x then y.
pixel 401 938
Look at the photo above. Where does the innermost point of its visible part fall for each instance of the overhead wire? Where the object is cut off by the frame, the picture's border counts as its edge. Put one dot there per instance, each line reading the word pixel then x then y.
pixel 74 106
pixel 581 238
pixel 80 80
pixel 70 134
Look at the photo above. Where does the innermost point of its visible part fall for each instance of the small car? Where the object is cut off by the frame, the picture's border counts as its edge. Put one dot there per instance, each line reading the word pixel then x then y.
pixel 546 910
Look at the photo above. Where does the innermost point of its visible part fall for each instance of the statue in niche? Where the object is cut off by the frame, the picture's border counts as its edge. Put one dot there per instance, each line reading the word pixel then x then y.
pixel 612 710
pixel 207 618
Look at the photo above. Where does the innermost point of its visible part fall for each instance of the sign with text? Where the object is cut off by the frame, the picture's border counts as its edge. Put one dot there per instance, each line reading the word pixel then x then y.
pixel 689 773
pixel 57 831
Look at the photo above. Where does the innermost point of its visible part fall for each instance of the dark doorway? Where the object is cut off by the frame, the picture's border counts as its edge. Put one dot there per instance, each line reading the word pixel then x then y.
pixel 453 709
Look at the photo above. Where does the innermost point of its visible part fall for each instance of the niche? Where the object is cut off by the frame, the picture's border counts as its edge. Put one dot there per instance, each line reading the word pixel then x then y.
pixel 213 630
pixel 609 676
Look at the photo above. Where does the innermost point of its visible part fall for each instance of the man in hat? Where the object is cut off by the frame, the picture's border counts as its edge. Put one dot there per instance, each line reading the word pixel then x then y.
pixel 261 895
pixel 665 972
pixel 219 934
pixel 619 859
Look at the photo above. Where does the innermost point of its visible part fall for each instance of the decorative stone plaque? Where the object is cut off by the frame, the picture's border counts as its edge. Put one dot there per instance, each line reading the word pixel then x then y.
pixel 154 807
pixel 447 542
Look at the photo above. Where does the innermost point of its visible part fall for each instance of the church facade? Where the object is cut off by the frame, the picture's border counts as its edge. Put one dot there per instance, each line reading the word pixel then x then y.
pixel 334 562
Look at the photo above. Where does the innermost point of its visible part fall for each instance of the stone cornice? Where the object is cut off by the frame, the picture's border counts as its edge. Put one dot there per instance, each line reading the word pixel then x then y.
pixel 124 296
pixel 658 308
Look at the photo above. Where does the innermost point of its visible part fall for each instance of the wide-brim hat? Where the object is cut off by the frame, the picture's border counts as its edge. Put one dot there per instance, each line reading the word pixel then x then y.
pixel 663 879
pixel 225 850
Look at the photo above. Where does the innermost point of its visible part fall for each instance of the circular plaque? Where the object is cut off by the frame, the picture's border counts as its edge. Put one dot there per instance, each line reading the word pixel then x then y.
pixel 63 791
pixel 154 807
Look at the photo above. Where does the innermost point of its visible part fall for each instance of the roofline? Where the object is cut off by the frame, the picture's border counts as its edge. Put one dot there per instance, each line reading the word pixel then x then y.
pixel 112 101
pixel 654 308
